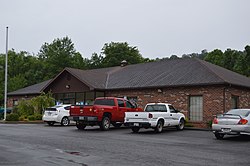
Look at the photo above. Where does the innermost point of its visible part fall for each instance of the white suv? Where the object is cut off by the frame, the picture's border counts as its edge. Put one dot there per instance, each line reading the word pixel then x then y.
pixel 57 114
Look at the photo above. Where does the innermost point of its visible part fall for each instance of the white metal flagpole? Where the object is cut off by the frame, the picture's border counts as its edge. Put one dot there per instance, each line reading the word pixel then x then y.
pixel 6 75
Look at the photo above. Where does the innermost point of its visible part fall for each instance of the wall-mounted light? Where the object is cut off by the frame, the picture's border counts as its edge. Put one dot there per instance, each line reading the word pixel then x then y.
pixel 67 86
pixel 159 90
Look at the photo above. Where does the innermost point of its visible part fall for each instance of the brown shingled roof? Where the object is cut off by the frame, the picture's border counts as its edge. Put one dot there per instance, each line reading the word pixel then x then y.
pixel 167 73
pixel 180 72
pixel 33 89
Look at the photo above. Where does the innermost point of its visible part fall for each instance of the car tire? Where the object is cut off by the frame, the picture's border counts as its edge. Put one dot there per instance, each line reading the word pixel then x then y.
pixel 80 126
pixel 65 121
pixel 51 123
pixel 219 136
pixel 135 129
pixel 116 125
pixel 181 125
pixel 105 124
pixel 159 127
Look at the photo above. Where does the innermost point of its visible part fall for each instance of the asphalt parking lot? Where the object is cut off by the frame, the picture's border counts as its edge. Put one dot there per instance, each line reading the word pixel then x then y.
pixel 39 144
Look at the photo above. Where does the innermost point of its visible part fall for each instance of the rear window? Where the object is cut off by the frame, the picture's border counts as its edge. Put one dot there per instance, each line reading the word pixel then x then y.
pixel 241 112
pixel 50 109
pixel 109 102
pixel 67 108
pixel 156 108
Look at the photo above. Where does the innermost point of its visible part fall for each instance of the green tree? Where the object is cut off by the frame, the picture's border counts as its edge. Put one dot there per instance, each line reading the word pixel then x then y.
pixel 230 59
pixel 114 53
pixel 96 61
pixel 247 60
pixel 216 57
pixel 58 55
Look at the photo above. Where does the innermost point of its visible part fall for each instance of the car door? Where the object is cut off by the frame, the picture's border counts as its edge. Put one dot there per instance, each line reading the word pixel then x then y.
pixel 121 111
pixel 174 115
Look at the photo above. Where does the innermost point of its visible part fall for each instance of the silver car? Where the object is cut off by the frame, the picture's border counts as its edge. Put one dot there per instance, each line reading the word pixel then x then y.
pixel 234 122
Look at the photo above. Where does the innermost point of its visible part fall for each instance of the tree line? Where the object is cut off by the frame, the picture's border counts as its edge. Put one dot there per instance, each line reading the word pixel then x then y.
pixel 25 69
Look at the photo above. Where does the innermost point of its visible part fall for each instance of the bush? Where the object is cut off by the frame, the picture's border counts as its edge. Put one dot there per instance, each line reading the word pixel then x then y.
pixel 209 123
pixel 23 118
pixel 25 108
pixel 12 117
pixel 187 123
pixel 38 117
pixel 31 117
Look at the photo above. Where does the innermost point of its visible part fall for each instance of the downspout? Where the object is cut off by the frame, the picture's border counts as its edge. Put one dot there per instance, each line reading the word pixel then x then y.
pixel 224 99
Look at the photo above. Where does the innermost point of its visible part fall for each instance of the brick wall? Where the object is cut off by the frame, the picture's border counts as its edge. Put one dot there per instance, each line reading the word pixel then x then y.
pixel 213 99
pixel 18 98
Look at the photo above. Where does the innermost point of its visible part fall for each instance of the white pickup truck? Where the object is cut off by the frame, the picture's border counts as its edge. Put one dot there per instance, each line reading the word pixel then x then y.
pixel 156 116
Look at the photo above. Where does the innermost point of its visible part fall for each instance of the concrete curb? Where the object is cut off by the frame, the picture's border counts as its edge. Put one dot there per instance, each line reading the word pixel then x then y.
pixel 200 129
pixel 21 122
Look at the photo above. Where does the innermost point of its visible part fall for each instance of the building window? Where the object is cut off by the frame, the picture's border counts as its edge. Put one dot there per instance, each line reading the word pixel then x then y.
pixel 15 102
pixel 89 98
pixel 196 108
pixel 234 102
pixel 80 98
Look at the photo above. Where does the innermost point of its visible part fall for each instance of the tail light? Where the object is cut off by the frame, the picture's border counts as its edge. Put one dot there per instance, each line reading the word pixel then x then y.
pixel 215 121
pixel 150 115
pixel 243 121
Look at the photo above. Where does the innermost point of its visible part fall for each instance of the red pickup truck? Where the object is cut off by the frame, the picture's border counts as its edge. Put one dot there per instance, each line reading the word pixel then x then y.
pixel 104 111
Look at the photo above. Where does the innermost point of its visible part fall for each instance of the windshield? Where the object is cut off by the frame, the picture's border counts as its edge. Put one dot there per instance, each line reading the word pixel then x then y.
pixel 155 108
pixel 241 112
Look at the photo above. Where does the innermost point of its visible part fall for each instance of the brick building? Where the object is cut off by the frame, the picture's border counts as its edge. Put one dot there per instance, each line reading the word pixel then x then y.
pixel 198 88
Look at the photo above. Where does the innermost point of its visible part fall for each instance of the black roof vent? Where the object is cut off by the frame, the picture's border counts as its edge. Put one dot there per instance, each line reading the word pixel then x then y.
pixel 124 63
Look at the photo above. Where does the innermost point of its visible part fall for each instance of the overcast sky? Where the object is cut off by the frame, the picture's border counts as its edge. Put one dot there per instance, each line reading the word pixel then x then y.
pixel 158 28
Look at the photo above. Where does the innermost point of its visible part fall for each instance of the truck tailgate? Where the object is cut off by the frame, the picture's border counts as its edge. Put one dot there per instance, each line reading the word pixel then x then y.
pixel 81 111
pixel 136 116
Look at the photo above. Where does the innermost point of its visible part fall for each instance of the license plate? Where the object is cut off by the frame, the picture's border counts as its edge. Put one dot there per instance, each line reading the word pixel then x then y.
pixel 226 130
pixel 136 124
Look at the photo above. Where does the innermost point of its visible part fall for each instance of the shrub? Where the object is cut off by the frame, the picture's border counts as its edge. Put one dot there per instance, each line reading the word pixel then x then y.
pixel 38 116
pixel 23 118
pixel 187 123
pixel 209 123
pixel 25 108
pixel 31 117
pixel 12 117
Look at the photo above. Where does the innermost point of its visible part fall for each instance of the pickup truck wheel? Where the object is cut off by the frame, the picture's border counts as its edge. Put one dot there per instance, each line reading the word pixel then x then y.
pixel 65 121
pixel 105 124
pixel 51 123
pixel 80 126
pixel 181 125
pixel 159 127
pixel 218 135
pixel 116 125
pixel 135 129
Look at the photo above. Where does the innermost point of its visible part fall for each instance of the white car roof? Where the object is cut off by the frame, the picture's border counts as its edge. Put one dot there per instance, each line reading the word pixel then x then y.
pixel 158 103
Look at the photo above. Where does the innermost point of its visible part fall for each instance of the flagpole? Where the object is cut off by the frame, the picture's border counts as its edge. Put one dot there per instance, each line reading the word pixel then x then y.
pixel 6 76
